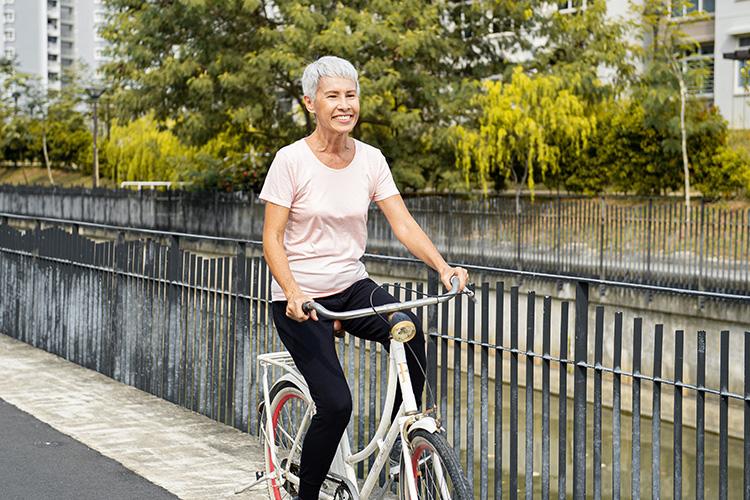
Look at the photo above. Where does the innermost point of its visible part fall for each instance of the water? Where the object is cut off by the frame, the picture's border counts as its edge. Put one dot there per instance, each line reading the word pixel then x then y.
pixel 735 473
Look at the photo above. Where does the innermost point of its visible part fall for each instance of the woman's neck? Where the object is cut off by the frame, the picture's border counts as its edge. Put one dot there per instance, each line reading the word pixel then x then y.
pixel 331 143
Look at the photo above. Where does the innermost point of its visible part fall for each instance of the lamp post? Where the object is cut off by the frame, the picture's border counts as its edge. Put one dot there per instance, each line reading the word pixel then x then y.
pixel 16 95
pixel 94 93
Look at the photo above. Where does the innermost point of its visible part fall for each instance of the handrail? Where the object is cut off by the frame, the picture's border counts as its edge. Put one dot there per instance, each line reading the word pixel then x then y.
pixel 373 256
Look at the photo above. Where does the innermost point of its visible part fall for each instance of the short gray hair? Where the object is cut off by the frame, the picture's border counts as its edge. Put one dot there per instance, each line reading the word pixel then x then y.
pixel 330 66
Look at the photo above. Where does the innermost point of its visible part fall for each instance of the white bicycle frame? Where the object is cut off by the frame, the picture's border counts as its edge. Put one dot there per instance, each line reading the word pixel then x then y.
pixel 408 417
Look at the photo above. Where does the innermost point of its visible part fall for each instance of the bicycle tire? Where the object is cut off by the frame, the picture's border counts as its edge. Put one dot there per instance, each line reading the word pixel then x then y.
pixel 425 447
pixel 288 404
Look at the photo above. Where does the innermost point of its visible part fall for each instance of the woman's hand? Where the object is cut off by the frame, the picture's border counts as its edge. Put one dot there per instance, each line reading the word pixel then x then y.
pixel 448 272
pixel 294 307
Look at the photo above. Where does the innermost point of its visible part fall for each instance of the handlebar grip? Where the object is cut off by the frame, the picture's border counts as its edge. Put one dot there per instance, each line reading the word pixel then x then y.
pixel 307 307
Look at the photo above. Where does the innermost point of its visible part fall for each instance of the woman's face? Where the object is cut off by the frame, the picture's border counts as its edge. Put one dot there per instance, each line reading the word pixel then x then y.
pixel 336 104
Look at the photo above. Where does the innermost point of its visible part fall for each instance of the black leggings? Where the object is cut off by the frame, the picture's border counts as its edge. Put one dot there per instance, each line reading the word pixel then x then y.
pixel 311 345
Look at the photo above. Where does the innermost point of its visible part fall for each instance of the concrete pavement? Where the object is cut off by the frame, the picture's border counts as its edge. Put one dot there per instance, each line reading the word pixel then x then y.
pixel 185 453
pixel 37 461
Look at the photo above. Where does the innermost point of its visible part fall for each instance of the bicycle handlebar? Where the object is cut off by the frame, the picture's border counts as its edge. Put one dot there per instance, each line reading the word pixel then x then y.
pixel 388 308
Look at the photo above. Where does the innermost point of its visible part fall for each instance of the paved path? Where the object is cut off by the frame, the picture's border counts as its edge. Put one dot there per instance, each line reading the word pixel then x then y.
pixel 185 453
pixel 37 461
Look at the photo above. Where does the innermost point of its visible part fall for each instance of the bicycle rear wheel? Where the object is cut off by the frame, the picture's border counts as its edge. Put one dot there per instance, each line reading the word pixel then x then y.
pixel 436 469
pixel 288 409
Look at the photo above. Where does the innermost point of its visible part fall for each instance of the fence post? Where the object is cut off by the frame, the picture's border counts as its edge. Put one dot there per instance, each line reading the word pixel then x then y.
pixel 701 251
pixel 579 394
pixel 649 223
pixel 432 332
pixel 558 250
pixel 242 337
pixel 174 269
pixel 518 236
pixel 602 214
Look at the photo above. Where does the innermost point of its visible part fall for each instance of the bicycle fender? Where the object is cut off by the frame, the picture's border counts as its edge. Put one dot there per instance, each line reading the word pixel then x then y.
pixel 296 380
pixel 427 423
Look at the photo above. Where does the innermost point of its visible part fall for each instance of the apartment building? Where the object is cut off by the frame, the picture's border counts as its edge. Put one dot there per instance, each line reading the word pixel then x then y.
pixel 725 27
pixel 47 36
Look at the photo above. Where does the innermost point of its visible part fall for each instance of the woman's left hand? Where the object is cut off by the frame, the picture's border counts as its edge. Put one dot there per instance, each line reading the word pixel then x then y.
pixel 447 273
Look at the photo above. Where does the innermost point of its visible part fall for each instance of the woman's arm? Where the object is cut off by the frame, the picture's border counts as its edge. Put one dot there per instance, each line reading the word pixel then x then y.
pixel 274 225
pixel 417 242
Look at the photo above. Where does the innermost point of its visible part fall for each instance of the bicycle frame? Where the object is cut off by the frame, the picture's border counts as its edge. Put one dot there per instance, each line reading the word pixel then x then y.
pixel 408 417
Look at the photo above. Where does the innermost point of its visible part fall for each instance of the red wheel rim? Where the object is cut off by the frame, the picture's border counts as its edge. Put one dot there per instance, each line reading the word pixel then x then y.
pixel 274 421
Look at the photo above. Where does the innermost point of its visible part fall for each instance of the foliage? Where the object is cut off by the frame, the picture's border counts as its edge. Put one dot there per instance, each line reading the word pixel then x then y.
pixel 219 165
pixel 590 50
pixel 210 65
pixel 141 151
pixel 524 126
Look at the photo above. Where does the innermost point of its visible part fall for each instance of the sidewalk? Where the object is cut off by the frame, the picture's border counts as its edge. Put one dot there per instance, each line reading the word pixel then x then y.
pixel 186 453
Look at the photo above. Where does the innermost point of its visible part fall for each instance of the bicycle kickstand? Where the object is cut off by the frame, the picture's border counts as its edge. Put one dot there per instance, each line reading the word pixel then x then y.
pixel 259 478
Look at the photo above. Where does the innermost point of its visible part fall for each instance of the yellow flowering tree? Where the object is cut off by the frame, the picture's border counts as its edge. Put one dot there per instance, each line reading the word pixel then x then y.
pixel 524 126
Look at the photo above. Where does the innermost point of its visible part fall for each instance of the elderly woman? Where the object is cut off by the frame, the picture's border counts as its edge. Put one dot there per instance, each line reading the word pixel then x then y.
pixel 317 194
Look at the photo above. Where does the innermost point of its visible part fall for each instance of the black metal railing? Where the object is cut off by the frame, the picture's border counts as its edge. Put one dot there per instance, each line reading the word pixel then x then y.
pixel 654 241
pixel 184 316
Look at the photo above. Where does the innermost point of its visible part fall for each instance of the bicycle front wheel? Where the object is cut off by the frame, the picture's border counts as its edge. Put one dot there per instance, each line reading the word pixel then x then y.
pixel 436 469
pixel 289 407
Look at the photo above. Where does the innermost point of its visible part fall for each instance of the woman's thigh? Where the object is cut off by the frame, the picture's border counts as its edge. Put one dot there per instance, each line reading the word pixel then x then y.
pixel 366 293
pixel 311 345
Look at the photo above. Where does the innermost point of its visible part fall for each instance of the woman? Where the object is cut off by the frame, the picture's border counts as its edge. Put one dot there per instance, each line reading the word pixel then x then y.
pixel 317 193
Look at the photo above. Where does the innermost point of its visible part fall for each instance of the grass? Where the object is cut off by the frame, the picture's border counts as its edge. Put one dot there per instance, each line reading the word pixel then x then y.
pixel 37 176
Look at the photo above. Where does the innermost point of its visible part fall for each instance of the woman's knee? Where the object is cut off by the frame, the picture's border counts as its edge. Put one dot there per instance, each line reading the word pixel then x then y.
pixel 336 408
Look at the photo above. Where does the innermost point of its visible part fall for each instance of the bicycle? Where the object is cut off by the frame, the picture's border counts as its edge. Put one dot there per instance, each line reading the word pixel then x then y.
pixel 428 468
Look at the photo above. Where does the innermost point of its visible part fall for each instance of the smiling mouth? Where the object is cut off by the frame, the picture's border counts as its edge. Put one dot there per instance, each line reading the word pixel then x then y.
pixel 343 118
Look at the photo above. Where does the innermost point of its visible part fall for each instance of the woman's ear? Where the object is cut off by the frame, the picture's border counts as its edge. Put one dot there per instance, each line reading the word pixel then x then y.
pixel 309 104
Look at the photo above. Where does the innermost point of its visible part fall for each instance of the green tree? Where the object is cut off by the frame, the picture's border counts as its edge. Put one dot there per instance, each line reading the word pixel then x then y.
pixel 666 77
pixel 217 66
pixel 524 125
pixel 589 49
pixel 141 151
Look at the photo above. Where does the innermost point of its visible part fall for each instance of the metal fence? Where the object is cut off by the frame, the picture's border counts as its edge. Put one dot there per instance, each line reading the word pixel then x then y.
pixel 636 240
pixel 627 239
pixel 535 405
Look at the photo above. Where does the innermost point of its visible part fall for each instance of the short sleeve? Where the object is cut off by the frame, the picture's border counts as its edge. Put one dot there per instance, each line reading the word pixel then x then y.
pixel 279 188
pixel 385 187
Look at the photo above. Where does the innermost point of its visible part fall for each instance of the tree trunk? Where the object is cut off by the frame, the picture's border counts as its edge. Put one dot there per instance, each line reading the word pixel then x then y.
pixel 46 156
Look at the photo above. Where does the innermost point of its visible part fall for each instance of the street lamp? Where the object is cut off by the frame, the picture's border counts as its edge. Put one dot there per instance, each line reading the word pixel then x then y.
pixel 16 95
pixel 738 55
pixel 95 92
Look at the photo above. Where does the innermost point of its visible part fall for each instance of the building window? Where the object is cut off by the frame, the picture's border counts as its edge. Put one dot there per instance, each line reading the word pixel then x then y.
pixel 566 6
pixel 67 45
pixel 9 16
pixel 10 35
pixel 53 77
pixel 51 4
pixel 52 57
pixel 10 53
pixel 52 39
pixel 700 66
pixel 742 79
pixel 706 6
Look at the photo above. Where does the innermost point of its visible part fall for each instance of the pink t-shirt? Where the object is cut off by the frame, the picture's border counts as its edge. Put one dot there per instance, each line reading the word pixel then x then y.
pixel 326 233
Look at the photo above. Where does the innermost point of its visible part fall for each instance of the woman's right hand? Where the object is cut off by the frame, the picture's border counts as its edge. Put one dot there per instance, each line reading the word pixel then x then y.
pixel 294 307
